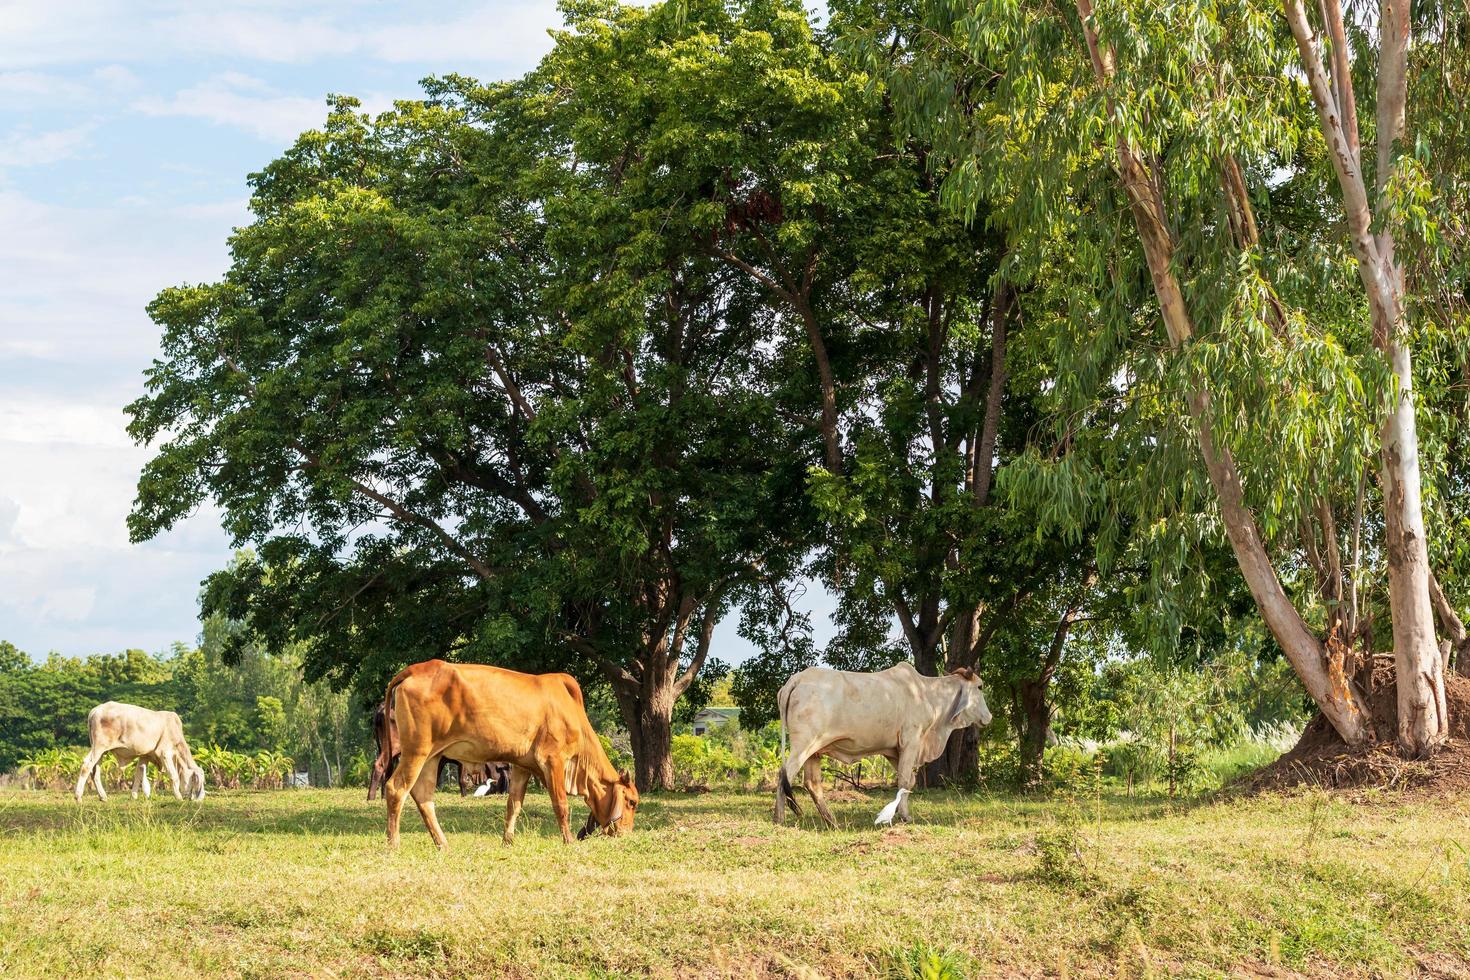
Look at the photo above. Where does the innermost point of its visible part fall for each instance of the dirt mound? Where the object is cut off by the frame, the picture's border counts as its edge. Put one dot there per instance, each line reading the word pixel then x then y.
pixel 1321 758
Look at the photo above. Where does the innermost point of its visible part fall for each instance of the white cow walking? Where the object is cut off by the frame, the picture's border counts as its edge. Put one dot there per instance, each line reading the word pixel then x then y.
pixel 897 713
pixel 130 732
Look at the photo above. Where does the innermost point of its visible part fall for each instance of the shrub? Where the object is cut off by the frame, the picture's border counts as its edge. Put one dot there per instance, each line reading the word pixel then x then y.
pixel 233 770
pixel 701 762
pixel 616 754
pixel 922 961
pixel 55 767
pixel 358 768
pixel 1065 764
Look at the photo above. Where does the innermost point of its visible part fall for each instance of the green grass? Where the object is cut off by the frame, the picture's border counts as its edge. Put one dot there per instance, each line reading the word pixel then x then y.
pixel 300 883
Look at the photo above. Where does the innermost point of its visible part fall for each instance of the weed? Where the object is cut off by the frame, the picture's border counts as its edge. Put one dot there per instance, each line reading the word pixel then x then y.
pixel 1059 858
pixel 418 945
pixel 922 961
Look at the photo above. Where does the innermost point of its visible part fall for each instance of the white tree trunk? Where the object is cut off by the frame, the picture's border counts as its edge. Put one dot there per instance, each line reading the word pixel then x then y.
pixel 1423 717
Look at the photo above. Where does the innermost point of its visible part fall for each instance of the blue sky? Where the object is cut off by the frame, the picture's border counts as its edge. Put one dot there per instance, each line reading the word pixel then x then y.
pixel 127 130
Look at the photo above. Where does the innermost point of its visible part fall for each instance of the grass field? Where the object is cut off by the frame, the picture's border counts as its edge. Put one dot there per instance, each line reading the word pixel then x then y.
pixel 300 883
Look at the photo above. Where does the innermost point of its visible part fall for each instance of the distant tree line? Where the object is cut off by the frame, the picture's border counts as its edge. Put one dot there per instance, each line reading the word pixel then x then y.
pixel 258 703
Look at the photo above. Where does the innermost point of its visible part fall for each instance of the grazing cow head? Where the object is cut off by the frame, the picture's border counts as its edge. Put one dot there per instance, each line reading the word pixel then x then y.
pixel 193 782
pixel 626 794
pixel 618 806
pixel 969 707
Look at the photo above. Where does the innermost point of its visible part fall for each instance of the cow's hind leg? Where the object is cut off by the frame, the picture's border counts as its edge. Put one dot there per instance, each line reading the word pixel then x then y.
pixel 812 778
pixel 792 768
pixel 784 795
pixel 423 797
pixel 404 776
pixel 515 795
pixel 89 765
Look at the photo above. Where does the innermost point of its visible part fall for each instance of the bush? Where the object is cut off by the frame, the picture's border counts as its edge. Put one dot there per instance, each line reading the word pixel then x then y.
pixel 1066 763
pixel 621 758
pixel 234 770
pixel 55 768
pixel 358 768
pixel 701 763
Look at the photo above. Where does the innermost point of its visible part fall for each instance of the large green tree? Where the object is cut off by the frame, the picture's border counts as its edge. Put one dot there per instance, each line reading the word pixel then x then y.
pixel 453 422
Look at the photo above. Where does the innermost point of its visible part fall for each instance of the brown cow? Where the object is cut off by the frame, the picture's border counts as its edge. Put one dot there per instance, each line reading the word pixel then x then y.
pixel 535 722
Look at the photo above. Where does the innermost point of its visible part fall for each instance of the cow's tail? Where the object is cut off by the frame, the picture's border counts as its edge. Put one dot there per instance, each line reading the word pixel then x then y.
pixel 784 792
pixel 385 761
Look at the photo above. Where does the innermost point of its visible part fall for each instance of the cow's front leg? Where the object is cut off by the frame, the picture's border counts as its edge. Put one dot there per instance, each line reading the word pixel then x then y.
pixel 171 766
pixel 556 788
pixel 907 766
pixel 89 766
pixel 515 791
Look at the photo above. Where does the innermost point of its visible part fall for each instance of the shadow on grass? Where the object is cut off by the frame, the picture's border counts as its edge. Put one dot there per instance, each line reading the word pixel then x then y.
pixel 333 812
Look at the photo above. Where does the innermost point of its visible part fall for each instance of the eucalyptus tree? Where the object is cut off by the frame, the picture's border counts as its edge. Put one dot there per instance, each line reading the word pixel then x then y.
pixel 1180 142
pixel 450 423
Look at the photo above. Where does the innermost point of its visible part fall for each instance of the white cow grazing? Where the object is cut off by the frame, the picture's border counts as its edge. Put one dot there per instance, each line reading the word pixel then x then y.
pixel 130 732
pixel 897 713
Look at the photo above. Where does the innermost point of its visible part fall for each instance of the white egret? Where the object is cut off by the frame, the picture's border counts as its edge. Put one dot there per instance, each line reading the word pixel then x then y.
pixel 886 815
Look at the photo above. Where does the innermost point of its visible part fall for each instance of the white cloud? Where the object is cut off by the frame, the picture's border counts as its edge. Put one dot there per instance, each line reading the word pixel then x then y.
pixel 49 421
pixel 488 32
pixel 85 600
pixel 28 89
pixel 23 148
pixel 257 34
pixel 43 32
pixel 116 78
pixel 9 511
pixel 234 99
pixel 74 339
pixel 77 280
pixel 69 578
pixel 24 88
pixel 74 334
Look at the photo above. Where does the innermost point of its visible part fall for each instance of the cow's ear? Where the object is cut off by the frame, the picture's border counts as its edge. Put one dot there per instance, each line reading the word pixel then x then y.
pixel 958 707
